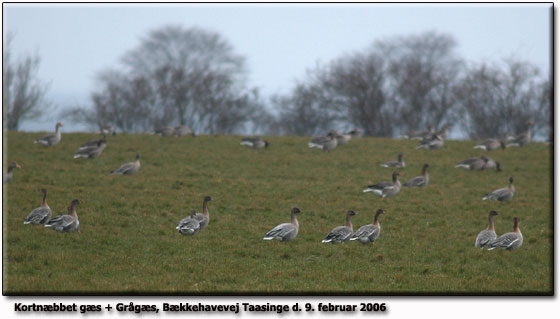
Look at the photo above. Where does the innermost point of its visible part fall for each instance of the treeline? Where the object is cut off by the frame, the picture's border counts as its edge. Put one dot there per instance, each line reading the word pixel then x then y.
pixel 193 77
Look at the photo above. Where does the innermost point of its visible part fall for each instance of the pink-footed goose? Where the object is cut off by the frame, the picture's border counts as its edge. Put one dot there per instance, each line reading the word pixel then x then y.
pixel 385 188
pixel 487 235
pixel 341 234
pixel 285 231
pixel 325 143
pixel 51 139
pixel 66 223
pixel 189 225
pixel 419 135
pixel 503 194
pixel 204 217
pixel 523 138
pixel 398 163
pixel 369 233
pixel 508 241
pixel 419 181
pixel 254 142
pixel 41 214
pixel 490 144
pixel 92 149
pixel 7 176
pixel 434 142
pixel 128 168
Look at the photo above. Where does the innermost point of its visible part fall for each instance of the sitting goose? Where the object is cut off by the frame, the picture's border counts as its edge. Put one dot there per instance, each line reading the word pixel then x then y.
pixel 41 214
pixel 189 225
pixel 204 218
pixel 285 231
pixel 165 131
pixel 523 138
pixel 51 139
pixel 386 189
pixel 92 143
pixel 487 235
pixel 342 139
pixel 508 241
pixel 444 131
pixel 434 142
pixel 419 135
pixel 399 163
pixel 254 142
pixel 502 194
pixel 369 233
pixel 491 164
pixel 107 130
pixel 341 233
pixel 128 168
pixel 326 143
pixel 7 176
pixel 182 130
pixel 89 150
pixel 419 181
pixel 473 163
pixel 490 144
pixel 66 223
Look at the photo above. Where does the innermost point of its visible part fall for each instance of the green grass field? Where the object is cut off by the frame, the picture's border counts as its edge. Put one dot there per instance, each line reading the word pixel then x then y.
pixel 128 243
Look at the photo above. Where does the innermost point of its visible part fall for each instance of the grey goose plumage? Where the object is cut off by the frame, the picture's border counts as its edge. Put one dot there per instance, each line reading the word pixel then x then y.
pixel 490 144
pixel 40 215
pixel 66 223
pixel 189 225
pixel 503 194
pixel 386 188
pixel 398 163
pixel 326 143
pixel 523 138
pixel 419 181
pixel 341 234
pixel 92 149
pixel 51 139
pixel 420 135
pixel 433 142
pixel 128 168
pixel 369 233
pixel 254 142
pixel 508 241
pixel 182 130
pixel 165 131
pixel 486 236
pixel 285 231
pixel 9 174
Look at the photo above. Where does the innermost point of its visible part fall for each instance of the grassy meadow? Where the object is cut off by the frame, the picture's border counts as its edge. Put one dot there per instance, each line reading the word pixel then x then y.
pixel 128 243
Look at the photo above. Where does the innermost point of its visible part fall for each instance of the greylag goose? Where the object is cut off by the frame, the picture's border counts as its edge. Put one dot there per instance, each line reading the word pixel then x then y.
pixel 502 194
pixel 444 131
pixel 51 139
pixel 399 163
pixel 369 233
pixel 165 131
pixel 128 168
pixel 285 231
pixel 7 176
pixel 107 130
pixel 431 143
pixel 92 150
pixel 419 181
pixel 523 138
pixel 182 130
pixel 490 144
pixel 66 223
pixel 386 189
pixel 508 241
pixel 487 235
pixel 419 135
pixel 41 214
pixel 473 163
pixel 189 225
pixel 326 143
pixel 341 233
pixel 254 142
pixel 204 218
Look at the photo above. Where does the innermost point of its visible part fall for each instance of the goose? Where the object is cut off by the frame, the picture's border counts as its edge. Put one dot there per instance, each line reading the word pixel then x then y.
pixel 386 189
pixel 66 223
pixel 52 139
pixel 107 129
pixel 41 214
pixel 93 150
pixel 508 241
pixel 7 176
pixel 326 143
pixel 285 231
pixel 399 163
pixel 502 194
pixel 342 139
pixel 490 144
pixel 523 138
pixel 165 131
pixel 491 164
pixel 254 142
pixel 182 130
pixel 340 234
pixel 487 235
pixel 204 218
pixel 369 233
pixel 128 168
pixel 92 143
pixel 473 163
pixel 431 143
pixel 419 135
pixel 419 181
pixel 444 131
pixel 188 225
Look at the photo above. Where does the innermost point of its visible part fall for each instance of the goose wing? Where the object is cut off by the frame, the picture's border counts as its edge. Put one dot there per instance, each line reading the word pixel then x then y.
pixel 39 215
pixel 417 181
pixel 281 231
pixel 484 238
pixel 506 241
pixel 188 226
pixel 338 234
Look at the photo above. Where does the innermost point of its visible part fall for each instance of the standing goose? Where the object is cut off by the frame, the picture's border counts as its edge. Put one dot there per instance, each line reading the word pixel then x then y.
pixel 285 231
pixel 66 223
pixel 419 135
pixel 399 163
pixel 128 168
pixel 254 142
pixel 92 150
pixel 189 225
pixel 473 163
pixel 326 143
pixel 341 233
pixel 385 188
pixel 487 235
pixel 41 214
pixel 490 144
pixel 508 241
pixel 369 233
pixel 52 139
pixel 182 130
pixel 204 218
pixel 419 181
pixel 503 194
pixel 7 176
pixel 523 138
pixel 434 142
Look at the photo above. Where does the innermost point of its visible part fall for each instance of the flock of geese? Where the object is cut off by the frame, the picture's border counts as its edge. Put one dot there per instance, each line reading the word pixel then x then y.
pixel 195 222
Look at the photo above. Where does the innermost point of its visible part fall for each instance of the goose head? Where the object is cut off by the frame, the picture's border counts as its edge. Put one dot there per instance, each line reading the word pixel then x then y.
pixel 493 213
pixel 511 180
pixel 14 165
pixel 296 210
pixel 207 198
pixel 498 167
pixel 137 156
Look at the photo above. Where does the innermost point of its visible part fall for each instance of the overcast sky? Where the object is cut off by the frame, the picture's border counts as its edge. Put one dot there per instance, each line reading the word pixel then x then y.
pixel 280 42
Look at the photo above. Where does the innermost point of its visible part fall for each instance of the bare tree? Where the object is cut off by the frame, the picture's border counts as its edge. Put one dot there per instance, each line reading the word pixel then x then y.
pixel 23 94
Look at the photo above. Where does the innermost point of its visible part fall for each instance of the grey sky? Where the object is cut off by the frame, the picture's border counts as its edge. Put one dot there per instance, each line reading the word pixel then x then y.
pixel 280 42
